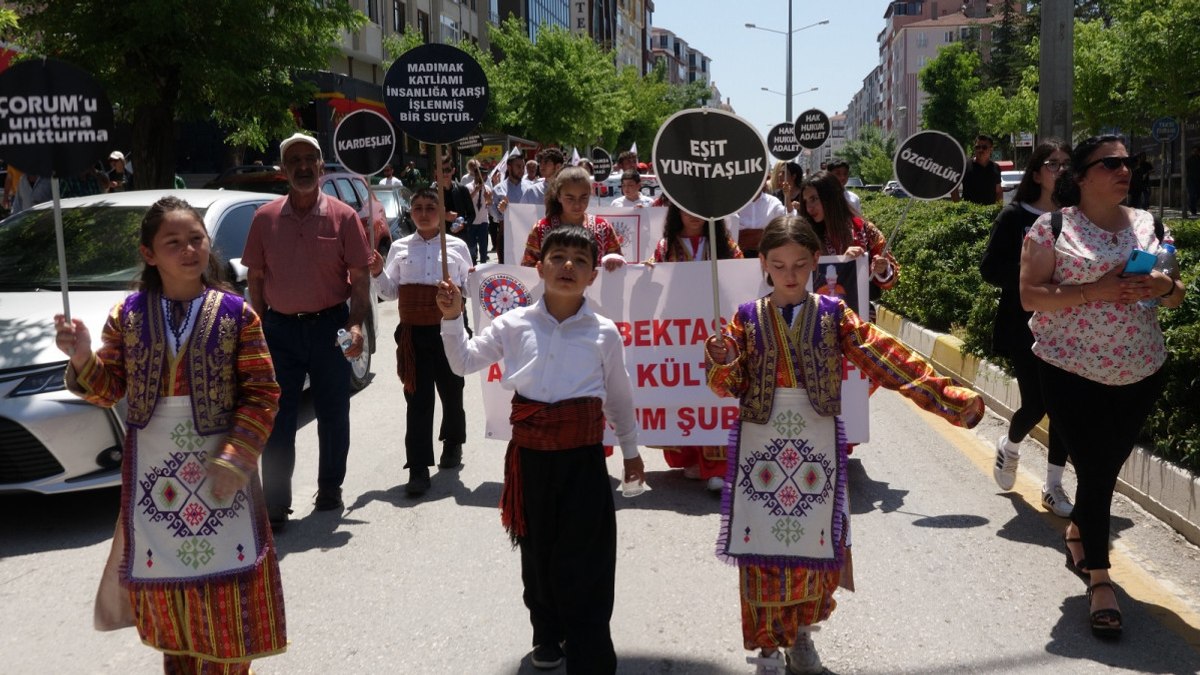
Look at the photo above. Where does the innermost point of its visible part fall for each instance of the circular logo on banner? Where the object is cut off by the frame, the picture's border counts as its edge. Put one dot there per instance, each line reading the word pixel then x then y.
pixel 54 118
pixel 709 162
pixel 602 164
pixel 502 292
pixel 364 142
pixel 929 164
pixel 812 129
pixel 436 93
pixel 781 141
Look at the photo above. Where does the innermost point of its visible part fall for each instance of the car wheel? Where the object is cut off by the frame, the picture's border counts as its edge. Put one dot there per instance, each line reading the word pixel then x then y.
pixel 360 368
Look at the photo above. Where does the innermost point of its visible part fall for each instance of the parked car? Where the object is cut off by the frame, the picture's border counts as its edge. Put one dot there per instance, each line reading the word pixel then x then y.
pixel 353 189
pixel 854 182
pixel 395 202
pixel 1009 180
pixel 50 440
pixel 893 188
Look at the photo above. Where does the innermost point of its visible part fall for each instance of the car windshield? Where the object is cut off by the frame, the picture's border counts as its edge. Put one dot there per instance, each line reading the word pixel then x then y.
pixel 391 205
pixel 101 242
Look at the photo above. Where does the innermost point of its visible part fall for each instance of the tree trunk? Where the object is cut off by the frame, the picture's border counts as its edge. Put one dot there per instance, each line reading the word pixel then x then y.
pixel 154 136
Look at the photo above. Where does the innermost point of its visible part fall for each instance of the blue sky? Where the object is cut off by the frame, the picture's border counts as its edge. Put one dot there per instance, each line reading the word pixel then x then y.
pixel 834 58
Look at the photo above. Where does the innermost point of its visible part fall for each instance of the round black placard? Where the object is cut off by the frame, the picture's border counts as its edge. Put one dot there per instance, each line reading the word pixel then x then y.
pixel 812 129
pixel 929 164
pixel 709 162
pixel 436 93
pixel 364 142
pixel 781 141
pixel 54 118
pixel 602 164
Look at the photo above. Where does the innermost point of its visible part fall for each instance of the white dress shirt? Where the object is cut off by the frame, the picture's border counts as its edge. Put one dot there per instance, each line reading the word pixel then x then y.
pixel 756 214
pixel 642 200
pixel 547 361
pixel 414 260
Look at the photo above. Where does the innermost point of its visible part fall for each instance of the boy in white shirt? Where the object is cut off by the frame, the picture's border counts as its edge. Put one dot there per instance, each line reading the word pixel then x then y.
pixel 566 365
pixel 631 191
pixel 412 273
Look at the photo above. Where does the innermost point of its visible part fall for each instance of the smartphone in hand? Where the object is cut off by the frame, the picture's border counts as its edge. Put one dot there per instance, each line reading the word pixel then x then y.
pixel 1140 262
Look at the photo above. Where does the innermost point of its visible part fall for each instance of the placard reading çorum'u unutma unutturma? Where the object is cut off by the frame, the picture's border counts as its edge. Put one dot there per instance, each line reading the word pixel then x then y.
pixel 54 118
pixel 709 162
pixel 436 93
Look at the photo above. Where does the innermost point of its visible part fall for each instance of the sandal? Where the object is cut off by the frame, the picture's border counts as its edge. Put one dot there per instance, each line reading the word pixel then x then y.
pixel 1106 623
pixel 1080 567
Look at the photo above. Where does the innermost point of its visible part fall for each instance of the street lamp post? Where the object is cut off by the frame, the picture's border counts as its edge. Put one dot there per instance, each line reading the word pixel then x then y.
pixel 788 34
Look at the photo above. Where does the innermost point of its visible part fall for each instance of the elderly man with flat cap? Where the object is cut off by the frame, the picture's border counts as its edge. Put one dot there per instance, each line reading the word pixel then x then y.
pixel 308 254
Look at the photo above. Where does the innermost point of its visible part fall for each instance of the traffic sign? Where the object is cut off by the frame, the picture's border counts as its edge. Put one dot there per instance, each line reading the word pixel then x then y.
pixel 364 142
pixel 54 118
pixel 710 162
pixel 1165 130
pixel 781 141
pixel 929 164
pixel 436 93
pixel 812 129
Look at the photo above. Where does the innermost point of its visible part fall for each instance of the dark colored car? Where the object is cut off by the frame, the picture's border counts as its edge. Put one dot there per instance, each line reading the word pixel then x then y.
pixel 395 202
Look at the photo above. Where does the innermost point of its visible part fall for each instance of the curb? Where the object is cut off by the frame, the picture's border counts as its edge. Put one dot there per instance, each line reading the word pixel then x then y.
pixel 1166 491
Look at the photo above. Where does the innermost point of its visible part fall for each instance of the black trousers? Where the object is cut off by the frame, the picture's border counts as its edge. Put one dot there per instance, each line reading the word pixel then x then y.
pixel 433 372
pixel 1099 424
pixel 569 554
pixel 1033 406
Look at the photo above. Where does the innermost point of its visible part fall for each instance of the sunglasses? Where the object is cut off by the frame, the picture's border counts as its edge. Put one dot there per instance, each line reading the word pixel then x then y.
pixel 1112 163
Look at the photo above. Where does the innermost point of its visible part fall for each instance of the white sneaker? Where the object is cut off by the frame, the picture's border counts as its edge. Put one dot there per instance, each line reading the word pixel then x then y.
pixel 1056 500
pixel 1007 457
pixel 716 484
pixel 802 658
pixel 768 664
pixel 692 472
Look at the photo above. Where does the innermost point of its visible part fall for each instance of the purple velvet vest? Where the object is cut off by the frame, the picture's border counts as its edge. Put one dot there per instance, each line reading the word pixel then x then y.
pixel 816 353
pixel 211 354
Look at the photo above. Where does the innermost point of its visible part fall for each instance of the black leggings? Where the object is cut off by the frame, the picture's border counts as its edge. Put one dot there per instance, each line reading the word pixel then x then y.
pixel 1033 406
pixel 1099 424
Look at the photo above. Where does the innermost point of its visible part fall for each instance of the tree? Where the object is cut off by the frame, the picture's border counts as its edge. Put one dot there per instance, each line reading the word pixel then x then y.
pixel 562 89
pixel 870 155
pixel 231 61
pixel 1008 57
pixel 951 81
pixel 1158 40
pixel 1001 114
pixel 1101 72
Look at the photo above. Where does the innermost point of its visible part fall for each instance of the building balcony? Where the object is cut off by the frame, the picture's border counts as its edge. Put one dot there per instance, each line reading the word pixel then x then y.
pixel 364 45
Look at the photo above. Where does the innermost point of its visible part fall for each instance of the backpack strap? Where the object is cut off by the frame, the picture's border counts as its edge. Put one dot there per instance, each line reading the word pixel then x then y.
pixel 1160 231
pixel 1056 224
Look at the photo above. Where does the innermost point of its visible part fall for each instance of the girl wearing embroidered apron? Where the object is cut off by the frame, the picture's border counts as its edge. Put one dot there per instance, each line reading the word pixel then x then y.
pixel 685 240
pixel 198 573
pixel 785 513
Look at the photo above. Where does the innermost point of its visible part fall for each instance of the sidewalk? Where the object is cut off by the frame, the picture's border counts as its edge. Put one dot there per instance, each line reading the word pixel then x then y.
pixel 1168 492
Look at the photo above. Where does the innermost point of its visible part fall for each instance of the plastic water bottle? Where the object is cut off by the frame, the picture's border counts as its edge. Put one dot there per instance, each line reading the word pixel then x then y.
pixel 344 339
pixel 458 225
pixel 1166 264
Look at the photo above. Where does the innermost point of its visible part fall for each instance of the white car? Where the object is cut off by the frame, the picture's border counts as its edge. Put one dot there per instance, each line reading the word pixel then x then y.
pixel 50 440
pixel 1009 180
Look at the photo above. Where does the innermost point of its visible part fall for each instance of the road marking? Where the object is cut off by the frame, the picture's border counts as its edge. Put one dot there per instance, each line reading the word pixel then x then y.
pixel 1170 609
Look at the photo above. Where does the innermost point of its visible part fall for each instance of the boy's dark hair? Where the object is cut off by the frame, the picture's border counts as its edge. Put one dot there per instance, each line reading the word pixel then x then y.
pixel 1066 188
pixel 628 154
pixel 151 279
pixel 985 137
pixel 551 155
pixel 837 163
pixel 571 236
pixel 784 230
pixel 427 192
pixel 631 174
pixel 1029 190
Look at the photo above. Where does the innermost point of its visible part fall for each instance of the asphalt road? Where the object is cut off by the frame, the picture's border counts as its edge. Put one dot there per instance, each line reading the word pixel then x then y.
pixel 952 575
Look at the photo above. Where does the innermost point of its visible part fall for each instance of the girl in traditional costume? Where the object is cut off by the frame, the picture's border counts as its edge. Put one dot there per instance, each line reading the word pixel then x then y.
pixel 785 511
pixel 198 572
pixel 685 239
pixel 567 197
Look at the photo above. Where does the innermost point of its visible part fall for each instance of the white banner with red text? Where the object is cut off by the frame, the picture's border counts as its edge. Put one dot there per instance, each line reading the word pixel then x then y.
pixel 664 314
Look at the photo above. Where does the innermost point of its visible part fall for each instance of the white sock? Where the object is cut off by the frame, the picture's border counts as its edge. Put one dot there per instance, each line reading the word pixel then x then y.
pixel 1054 475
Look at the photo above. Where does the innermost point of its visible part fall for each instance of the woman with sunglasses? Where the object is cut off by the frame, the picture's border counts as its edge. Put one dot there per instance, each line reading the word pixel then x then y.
pixel 1011 338
pixel 1101 352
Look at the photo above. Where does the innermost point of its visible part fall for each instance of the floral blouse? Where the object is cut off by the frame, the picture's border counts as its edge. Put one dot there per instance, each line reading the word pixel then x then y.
pixel 1110 343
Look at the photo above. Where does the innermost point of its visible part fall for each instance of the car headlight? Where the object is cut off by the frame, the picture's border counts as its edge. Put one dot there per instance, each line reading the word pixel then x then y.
pixel 40 383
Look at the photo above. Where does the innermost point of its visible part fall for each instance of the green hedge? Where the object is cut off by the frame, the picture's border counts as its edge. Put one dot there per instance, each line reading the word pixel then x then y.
pixel 939 249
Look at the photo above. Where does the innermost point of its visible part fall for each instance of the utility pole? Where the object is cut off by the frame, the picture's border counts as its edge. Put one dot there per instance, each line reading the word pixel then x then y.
pixel 1057 70
pixel 788 116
